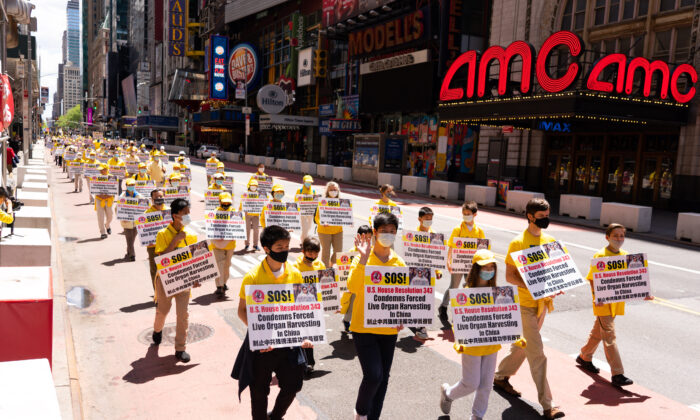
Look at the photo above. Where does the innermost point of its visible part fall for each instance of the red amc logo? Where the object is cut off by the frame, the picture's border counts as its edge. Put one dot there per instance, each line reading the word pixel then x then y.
pixel 600 266
pixel 376 277
pixel 536 65
pixel 258 296
pixel 165 262
pixel 461 298
pixel 522 259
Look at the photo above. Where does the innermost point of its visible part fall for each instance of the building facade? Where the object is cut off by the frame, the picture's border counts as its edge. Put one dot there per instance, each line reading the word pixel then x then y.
pixel 73 33
pixel 72 86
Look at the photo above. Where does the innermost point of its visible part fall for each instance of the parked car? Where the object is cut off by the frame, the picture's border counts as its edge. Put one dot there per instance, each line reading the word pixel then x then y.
pixel 148 141
pixel 205 150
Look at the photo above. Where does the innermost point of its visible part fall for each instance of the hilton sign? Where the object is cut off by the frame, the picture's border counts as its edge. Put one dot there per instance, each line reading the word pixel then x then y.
pixel 536 66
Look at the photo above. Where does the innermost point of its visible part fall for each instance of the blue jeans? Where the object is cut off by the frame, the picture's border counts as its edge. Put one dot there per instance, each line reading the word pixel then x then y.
pixel 376 353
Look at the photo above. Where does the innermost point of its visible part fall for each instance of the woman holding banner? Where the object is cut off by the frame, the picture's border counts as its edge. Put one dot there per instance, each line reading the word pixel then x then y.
pixel 375 346
pixel 329 235
pixel 478 362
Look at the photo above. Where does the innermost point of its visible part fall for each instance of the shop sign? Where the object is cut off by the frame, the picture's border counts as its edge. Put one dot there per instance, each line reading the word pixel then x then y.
pixel 390 34
pixel 390 63
pixel 243 64
pixel 554 126
pixel 339 10
pixel 271 99
pixel 536 66
pixel 305 75
pixel 326 110
pixel 176 28
pixel 276 120
pixel 218 88
pixel 324 127
pixel 344 125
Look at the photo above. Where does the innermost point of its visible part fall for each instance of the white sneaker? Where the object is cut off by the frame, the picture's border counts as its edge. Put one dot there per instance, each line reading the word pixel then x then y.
pixel 422 334
pixel 445 403
pixel 357 416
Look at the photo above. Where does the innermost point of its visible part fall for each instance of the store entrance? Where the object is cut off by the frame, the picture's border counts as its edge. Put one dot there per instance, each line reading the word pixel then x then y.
pixel 558 165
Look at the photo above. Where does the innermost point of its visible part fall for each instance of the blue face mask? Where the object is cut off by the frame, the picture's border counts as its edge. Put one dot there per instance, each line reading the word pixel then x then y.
pixel 130 189
pixel 307 184
pixel 487 275
pixel 219 182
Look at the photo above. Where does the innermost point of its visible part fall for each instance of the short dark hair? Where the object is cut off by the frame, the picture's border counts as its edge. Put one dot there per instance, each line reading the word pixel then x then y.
pixel 425 211
pixel 311 244
pixel 4 192
pixel 178 204
pixel 385 187
pixel 608 230
pixel 383 219
pixel 536 204
pixel 364 229
pixel 471 206
pixel 272 234
pixel 155 190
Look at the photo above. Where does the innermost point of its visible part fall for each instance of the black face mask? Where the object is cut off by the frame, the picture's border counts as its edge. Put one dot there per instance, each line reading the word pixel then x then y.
pixel 309 259
pixel 159 201
pixel 225 206
pixel 542 223
pixel 280 257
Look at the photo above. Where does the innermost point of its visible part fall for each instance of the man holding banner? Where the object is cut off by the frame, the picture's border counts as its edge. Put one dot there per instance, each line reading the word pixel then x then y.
pixel 128 225
pixel 223 248
pixel 158 198
pixel 533 312
pixel 175 235
pixel 103 205
pixel 607 270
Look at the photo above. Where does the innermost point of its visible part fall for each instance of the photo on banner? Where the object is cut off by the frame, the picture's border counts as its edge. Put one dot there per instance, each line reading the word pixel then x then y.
pixel 620 278
pixel 486 315
pixel 180 269
pixel 397 296
pixel 547 269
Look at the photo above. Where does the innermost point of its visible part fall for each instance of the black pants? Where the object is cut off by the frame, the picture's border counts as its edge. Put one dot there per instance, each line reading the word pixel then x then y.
pixel 290 377
pixel 309 353
pixel 376 353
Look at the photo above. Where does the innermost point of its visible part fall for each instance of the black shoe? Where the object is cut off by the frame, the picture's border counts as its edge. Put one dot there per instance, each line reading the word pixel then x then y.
pixel 182 356
pixel 347 326
pixel 588 366
pixel 132 258
pixel 103 236
pixel 442 314
pixel 225 287
pixel 219 292
pixel 621 380
pixel 246 248
pixel 157 337
pixel 255 248
pixel 109 231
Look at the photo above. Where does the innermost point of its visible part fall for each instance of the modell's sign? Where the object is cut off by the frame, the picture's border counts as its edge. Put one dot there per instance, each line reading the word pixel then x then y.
pixel 624 67
pixel 389 34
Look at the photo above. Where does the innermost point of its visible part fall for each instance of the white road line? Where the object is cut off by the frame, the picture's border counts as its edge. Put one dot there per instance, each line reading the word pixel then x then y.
pixel 597 362
pixel 695 407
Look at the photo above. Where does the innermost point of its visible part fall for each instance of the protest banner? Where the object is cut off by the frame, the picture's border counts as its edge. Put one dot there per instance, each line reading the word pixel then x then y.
pixel 463 251
pixel 225 225
pixel 547 269
pixel 58 151
pixel 486 315
pixel 128 208
pixel 210 168
pixel 186 172
pixel 307 203
pixel 148 224
pixel 91 169
pixel 163 159
pixel 285 215
pixel 104 185
pixel 335 212
pixel 170 194
pixel 211 198
pixel 380 208
pixel 69 155
pixel 325 281
pixel 75 168
pixel 143 157
pixel 252 202
pixel 132 167
pixel 343 261
pixel 620 278
pixel 145 187
pixel 398 296
pixel 264 184
pixel 284 315
pixel 180 269
pixel 228 183
pixel 425 249
pixel 118 170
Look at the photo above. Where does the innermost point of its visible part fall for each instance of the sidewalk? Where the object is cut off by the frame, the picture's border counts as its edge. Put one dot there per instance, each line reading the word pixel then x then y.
pixel 663 223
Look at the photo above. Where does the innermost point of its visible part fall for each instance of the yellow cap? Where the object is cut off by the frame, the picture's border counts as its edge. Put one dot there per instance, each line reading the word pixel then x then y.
pixel 142 165
pixel 175 176
pixel 220 165
pixel 483 257
pixel 103 167
pixel 253 182
pixel 130 181
pixel 143 146
pixel 225 198
pixel 307 178
pixel 181 159
pixel 277 187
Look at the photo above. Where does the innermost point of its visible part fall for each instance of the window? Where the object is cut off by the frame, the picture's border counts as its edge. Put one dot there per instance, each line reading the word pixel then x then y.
pixel 599 12
pixel 614 11
pixel 643 7
pixel 662 45
pixel 580 15
pixel 682 49
pixel 666 5
pixel 574 16
pixel 566 19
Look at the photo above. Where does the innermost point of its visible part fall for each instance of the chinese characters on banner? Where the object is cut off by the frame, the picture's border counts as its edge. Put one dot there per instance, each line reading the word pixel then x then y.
pixel 547 269
pixel 620 278
pixel 180 269
pixel 486 315
pixel 397 296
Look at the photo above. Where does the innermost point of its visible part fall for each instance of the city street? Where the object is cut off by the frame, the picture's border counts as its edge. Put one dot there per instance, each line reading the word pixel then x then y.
pixel 122 376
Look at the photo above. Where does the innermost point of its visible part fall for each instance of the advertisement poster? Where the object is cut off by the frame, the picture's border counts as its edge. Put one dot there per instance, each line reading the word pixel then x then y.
pixel 620 278
pixel 285 215
pixel 425 249
pixel 486 315
pixel 393 155
pixel 397 296
pixel 463 251
pixel 335 212
pixel 284 315
pixel 547 269
pixel 180 269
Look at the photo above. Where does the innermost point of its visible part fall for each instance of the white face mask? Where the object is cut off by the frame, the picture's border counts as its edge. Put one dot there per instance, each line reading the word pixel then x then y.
pixel 333 193
pixel 615 243
pixel 261 170
pixel 468 218
pixel 427 223
pixel 386 239
pixel 279 196
pixel 186 220
pixel 253 188
pixel 175 184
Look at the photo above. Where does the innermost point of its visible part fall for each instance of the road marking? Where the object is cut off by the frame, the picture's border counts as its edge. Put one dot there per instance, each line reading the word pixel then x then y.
pixel 675 306
pixel 695 407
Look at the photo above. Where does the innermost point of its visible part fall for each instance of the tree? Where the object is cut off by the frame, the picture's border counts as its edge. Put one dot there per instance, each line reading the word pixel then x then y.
pixel 71 119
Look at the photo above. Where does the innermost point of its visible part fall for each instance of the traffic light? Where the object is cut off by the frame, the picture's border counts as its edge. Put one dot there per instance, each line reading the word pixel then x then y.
pixel 94 105
pixel 320 63
pixel 139 110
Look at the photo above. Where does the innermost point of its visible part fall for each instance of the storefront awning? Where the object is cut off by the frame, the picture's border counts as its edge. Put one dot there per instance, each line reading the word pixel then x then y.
pixel 286 122
pixel 157 122
pixel 581 111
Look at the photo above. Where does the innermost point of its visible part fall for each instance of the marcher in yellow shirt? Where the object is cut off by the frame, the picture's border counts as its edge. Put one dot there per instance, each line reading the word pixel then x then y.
pixel 364 232
pixel 175 235
pixel 103 207
pixel 217 182
pixel 604 326
pixel 386 190
pixel 6 216
pixel 115 163
pixel 532 312
pixel 308 261
pixel 478 362
pixel 252 220
pixel 330 236
pixel 142 175
pixel 128 226
pixel 274 269
pixel 158 200
pixel 425 220
pixel 212 159
pixel 374 346
pixel 306 221
pixel 91 159
pixel 259 173
pixel 277 196
pixel 223 249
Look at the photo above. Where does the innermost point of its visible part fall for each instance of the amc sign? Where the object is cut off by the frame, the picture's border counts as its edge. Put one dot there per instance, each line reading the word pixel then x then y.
pixel 625 68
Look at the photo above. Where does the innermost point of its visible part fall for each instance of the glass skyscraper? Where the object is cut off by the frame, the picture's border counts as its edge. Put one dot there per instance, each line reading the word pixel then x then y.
pixel 73 32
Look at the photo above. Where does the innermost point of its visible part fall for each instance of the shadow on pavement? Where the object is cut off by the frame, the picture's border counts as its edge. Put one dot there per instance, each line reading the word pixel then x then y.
pixel 602 391
pixel 138 306
pixel 152 366
pixel 519 409
pixel 408 344
pixel 208 299
pixel 447 335
pixel 85 204
pixel 115 261
pixel 84 241
pixel 316 374
pixel 343 349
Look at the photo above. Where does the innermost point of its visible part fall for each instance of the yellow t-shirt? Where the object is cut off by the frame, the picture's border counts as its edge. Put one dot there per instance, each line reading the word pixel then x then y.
pixel 476 350
pixel 151 210
pixel 231 244
pixel 356 285
pixel 325 229
pixel 262 213
pixel 262 274
pixel 607 309
pixel 6 218
pixel 166 235
pixel 462 231
pixel 303 266
pixel 523 241
pixel 388 203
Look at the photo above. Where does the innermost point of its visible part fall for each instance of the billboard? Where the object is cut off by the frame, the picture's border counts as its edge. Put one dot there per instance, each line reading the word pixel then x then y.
pixel 176 28
pixel 335 11
pixel 218 88
pixel 44 95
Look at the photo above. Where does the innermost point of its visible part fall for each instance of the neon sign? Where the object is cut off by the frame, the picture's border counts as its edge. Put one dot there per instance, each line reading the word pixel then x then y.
pixel 626 70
